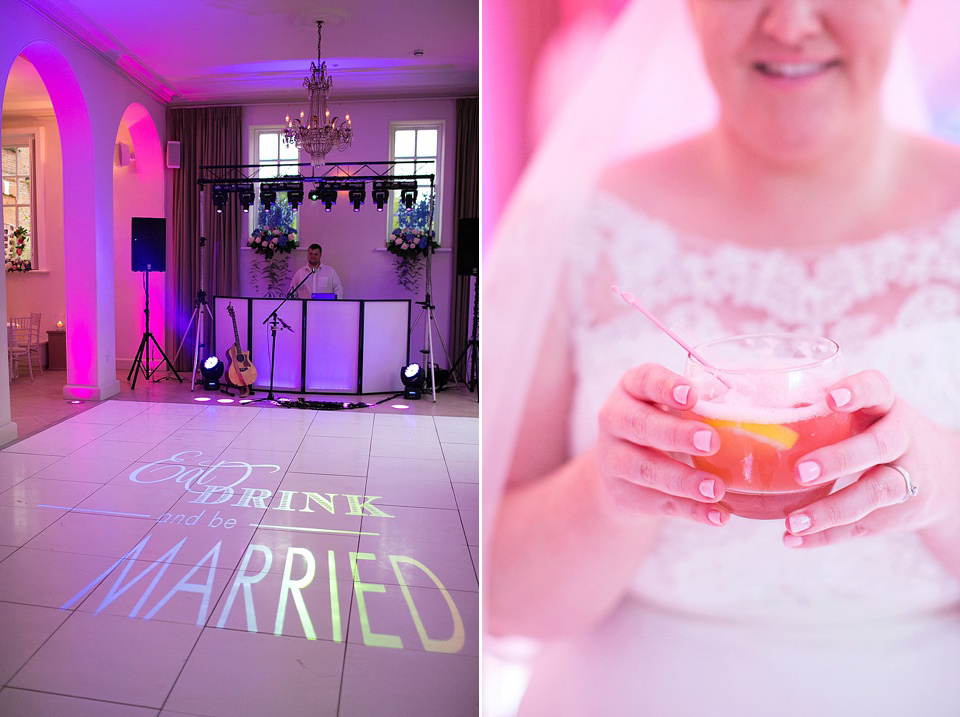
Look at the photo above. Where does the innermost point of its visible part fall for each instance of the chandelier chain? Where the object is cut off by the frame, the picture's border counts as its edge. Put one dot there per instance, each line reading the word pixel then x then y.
pixel 319 30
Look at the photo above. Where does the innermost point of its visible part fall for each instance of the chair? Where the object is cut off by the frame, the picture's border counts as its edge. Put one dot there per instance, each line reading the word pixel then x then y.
pixel 24 339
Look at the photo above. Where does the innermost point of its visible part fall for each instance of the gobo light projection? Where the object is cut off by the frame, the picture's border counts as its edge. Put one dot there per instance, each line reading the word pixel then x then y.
pixel 282 588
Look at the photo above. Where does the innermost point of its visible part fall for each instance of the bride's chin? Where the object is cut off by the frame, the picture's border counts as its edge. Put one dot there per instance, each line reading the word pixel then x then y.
pixel 793 144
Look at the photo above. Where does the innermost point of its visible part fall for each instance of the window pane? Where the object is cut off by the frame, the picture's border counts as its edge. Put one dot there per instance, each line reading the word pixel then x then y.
pixel 8 197
pixel 288 152
pixel 268 171
pixel 268 146
pixel 9 161
pixel 9 218
pixel 426 168
pixel 23 191
pixel 403 145
pixel 427 143
pixel 23 161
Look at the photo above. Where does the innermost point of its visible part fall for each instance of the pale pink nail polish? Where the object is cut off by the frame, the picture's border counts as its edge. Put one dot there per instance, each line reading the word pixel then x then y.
pixel 841 396
pixel 707 488
pixel 792 541
pixel 808 471
pixel 715 517
pixel 702 440
pixel 798 522
pixel 681 393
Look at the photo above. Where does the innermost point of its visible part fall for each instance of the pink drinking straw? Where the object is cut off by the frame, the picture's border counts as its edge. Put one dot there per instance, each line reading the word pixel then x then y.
pixel 635 303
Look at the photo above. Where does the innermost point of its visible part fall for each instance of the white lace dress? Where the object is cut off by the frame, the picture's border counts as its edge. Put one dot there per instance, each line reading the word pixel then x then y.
pixel 728 621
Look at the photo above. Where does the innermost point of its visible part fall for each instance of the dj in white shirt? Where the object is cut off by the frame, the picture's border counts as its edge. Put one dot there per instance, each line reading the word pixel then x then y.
pixel 323 279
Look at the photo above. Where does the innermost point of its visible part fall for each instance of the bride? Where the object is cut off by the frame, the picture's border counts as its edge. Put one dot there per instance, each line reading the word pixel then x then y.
pixel 805 207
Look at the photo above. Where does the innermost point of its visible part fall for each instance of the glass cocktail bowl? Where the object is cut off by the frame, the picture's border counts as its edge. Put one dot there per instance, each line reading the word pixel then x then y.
pixel 765 395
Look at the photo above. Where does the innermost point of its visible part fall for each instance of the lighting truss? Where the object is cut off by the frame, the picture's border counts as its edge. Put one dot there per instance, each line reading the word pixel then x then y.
pixel 324 183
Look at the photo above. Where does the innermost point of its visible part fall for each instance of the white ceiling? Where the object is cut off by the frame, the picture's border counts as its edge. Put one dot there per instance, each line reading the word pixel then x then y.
pixel 196 52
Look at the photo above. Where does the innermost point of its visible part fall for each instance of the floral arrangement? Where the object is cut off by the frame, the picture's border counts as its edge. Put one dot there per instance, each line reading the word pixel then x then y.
pixel 13 261
pixel 410 243
pixel 270 240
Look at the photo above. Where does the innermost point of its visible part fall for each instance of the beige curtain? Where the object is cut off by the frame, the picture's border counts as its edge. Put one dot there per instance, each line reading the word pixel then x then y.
pixel 466 206
pixel 207 136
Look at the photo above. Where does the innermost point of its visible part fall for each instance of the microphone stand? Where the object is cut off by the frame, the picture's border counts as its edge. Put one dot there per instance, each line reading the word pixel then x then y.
pixel 275 319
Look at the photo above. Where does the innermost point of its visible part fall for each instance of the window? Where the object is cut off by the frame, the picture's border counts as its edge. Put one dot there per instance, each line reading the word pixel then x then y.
pixel 19 199
pixel 275 159
pixel 423 143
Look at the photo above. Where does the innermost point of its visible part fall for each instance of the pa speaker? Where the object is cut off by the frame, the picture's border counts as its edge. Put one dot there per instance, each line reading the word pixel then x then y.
pixel 148 244
pixel 173 155
pixel 468 246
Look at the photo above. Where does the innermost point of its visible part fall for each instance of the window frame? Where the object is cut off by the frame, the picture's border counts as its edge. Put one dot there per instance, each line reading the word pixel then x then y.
pixel 33 137
pixel 440 126
pixel 256 131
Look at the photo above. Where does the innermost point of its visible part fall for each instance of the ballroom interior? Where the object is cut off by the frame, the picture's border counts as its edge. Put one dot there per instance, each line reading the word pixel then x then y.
pixel 230 485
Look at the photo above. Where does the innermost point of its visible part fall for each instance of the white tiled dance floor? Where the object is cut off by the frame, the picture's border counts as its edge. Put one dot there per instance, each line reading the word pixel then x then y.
pixel 175 559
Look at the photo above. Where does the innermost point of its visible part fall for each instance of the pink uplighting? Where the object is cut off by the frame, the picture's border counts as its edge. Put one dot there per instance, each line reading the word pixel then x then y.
pixel 202 399
pixel 224 400
pixel 400 406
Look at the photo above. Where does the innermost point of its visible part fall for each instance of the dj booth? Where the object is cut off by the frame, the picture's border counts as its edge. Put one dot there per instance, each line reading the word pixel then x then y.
pixel 349 346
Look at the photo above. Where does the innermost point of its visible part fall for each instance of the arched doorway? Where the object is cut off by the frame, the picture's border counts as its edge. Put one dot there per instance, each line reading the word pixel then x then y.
pixel 86 233
pixel 138 175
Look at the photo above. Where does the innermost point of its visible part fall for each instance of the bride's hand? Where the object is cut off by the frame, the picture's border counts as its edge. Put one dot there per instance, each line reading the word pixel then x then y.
pixel 887 432
pixel 636 474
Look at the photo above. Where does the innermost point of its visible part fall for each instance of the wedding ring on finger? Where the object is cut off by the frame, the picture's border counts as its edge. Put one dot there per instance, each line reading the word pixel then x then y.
pixel 912 489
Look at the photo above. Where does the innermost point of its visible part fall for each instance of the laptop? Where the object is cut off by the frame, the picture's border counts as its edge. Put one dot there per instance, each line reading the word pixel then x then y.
pixel 329 296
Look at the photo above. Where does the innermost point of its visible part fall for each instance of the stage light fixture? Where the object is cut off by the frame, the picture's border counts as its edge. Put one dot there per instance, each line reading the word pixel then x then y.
pixel 268 195
pixel 295 197
pixel 380 195
pixel 357 195
pixel 328 195
pixel 211 370
pixel 413 378
pixel 314 194
pixel 246 196
pixel 219 198
pixel 408 197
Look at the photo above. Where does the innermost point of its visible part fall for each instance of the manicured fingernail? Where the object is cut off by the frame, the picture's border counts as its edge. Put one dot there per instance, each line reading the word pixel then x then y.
pixel 702 439
pixel 707 488
pixel 680 394
pixel 798 522
pixel 715 517
pixel 809 471
pixel 841 396
pixel 792 541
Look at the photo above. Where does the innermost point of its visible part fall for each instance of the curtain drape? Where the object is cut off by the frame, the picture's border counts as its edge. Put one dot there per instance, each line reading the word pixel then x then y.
pixel 207 136
pixel 466 206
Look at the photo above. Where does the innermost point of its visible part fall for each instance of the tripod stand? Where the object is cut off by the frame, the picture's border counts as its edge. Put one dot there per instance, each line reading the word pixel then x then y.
pixel 199 308
pixel 430 321
pixel 470 356
pixel 141 361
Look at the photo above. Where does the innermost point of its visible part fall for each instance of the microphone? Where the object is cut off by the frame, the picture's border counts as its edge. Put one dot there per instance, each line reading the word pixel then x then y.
pixel 313 270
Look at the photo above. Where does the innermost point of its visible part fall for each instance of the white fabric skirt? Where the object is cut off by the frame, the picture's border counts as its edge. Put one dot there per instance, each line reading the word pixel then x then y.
pixel 645 661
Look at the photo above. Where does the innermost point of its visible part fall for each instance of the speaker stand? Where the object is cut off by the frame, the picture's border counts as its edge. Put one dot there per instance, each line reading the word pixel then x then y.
pixel 141 361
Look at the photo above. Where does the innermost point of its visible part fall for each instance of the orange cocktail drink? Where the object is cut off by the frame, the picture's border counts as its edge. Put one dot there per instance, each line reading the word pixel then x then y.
pixel 766 398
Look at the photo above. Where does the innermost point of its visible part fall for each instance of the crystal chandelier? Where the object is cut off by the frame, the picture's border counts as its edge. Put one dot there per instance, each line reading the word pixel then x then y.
pixel 321 133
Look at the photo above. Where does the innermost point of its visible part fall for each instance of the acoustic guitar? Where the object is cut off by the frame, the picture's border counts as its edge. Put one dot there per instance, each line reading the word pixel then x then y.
pixel 240 370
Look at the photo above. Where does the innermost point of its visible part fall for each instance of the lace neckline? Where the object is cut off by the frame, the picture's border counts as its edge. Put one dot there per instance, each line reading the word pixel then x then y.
pixel 933 230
